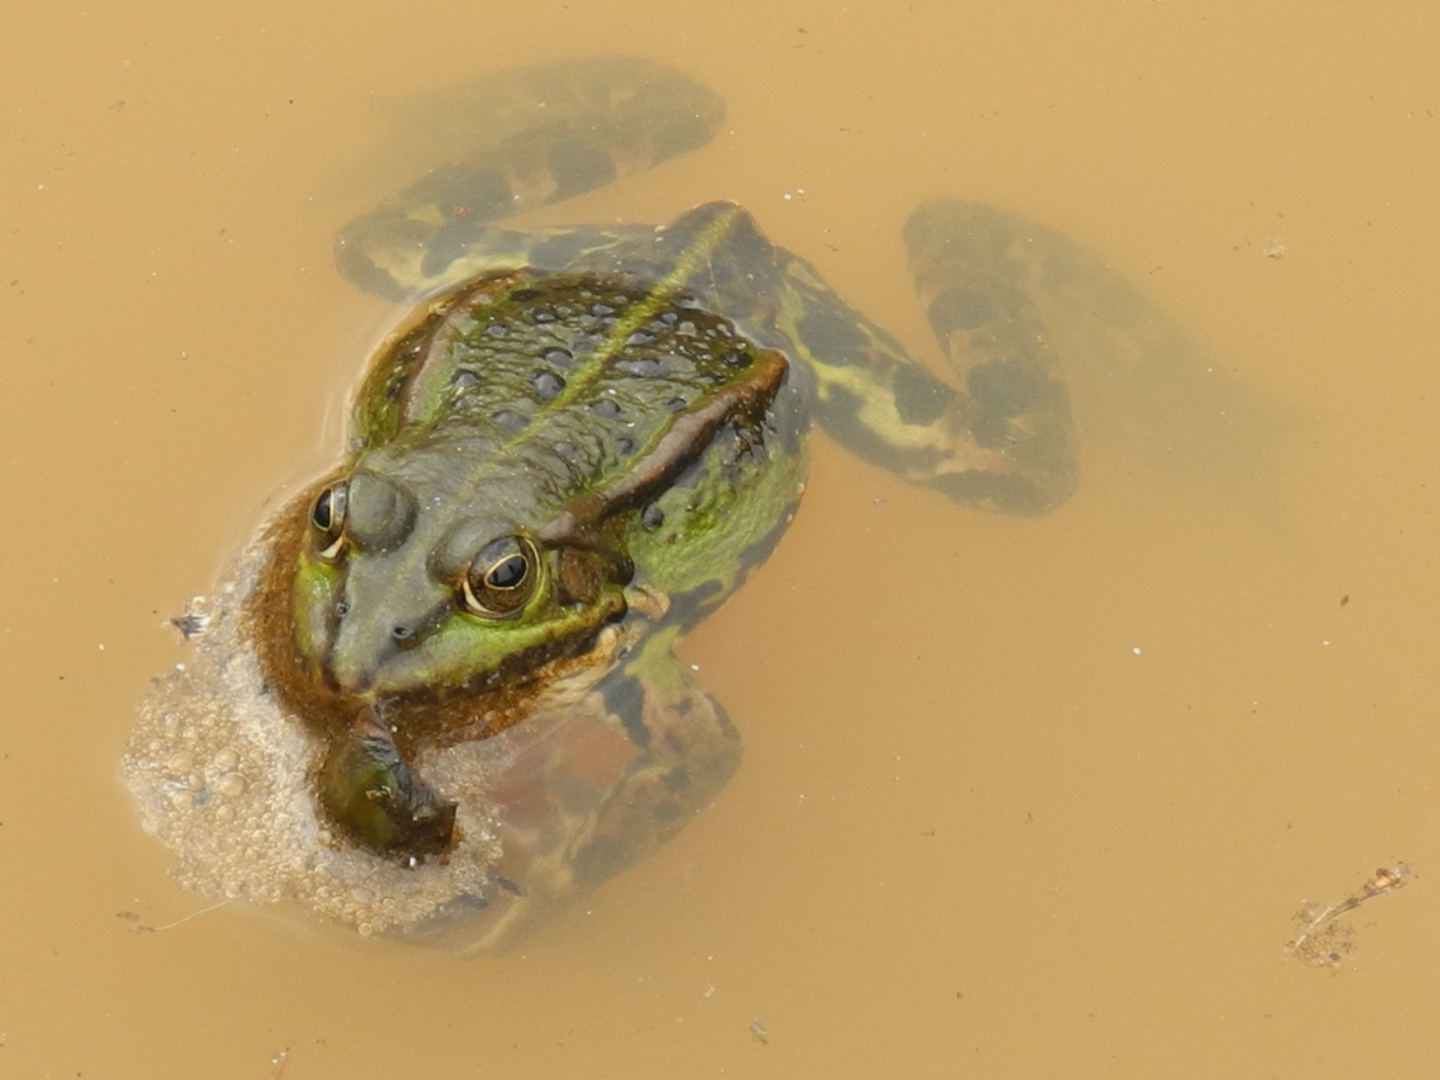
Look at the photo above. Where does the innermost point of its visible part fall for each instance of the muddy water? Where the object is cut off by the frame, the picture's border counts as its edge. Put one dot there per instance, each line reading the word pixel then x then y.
pixel 1021 798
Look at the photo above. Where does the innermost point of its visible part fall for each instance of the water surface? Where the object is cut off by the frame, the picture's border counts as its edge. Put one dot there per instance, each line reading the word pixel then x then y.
pixel 1042 804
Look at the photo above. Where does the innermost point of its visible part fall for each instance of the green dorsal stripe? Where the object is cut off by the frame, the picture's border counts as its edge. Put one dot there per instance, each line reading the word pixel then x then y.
pixel 658 296
pixel 426 395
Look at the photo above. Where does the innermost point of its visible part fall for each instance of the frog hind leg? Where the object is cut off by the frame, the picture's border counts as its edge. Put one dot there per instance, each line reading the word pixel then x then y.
pixel 1139 383
pixel 1004 440
pixel 561 130
pixel 617 777
pixel 687 750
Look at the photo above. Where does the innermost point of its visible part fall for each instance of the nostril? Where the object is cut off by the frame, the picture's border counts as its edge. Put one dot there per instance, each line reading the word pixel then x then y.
pixel 401 633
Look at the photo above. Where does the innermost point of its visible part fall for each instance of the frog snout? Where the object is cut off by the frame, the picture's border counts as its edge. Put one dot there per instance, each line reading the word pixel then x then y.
pixel 351 677
pixel 369 660
pixel 358 657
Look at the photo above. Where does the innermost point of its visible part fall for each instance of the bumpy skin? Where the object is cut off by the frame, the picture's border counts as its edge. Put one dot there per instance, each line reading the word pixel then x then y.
pixel 588 431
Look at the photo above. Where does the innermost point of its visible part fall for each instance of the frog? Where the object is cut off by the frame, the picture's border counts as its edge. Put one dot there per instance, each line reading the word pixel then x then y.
pixel 437 695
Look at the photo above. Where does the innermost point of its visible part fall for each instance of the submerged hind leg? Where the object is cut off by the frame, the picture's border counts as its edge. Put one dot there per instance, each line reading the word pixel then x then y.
pixel 1003 440
pixel 560 130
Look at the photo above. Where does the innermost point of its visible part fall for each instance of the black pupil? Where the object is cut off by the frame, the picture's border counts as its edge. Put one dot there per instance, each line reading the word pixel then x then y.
pixel 323 511
pixel 508 574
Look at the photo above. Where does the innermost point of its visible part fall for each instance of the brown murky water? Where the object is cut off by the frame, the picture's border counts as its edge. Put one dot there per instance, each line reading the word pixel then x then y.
pixel 1043 805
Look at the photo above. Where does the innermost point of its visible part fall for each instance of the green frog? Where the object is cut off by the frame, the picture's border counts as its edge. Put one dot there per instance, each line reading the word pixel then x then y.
pixel 437 694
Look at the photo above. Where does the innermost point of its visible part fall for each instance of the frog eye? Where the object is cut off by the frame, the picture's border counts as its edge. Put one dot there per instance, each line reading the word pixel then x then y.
pixel 327 518
pixel 501 578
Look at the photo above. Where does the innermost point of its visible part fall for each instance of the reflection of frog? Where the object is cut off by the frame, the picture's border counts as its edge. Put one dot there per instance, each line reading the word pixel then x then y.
pixel 441 679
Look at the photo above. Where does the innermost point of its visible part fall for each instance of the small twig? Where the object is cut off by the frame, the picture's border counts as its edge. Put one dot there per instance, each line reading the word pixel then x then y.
pixel 129 917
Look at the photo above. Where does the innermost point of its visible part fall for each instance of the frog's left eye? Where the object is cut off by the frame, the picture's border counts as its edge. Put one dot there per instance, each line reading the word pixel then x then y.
pixel 501 578
pixel 327 518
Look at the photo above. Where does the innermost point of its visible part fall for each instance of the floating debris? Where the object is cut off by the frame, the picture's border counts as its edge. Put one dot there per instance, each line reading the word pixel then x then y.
pixel 1323 940
pixel 134 920
pixel 195 621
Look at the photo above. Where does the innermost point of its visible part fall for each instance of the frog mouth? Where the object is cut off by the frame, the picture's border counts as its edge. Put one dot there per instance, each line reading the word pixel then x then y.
pixel 416 665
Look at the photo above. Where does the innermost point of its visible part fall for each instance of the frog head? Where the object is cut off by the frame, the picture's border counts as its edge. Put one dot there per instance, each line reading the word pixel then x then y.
pixel 423 582
pixel 429 601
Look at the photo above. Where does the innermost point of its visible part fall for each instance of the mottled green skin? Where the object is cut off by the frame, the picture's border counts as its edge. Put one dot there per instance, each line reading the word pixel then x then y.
pixel 633 404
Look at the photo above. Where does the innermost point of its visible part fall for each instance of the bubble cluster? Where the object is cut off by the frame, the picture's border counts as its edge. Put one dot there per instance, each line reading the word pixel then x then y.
pixel 222 777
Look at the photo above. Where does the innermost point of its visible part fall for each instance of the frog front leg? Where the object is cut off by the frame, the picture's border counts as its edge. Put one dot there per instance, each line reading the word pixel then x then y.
pixel 367 787
pixel 1004 440
pixel 591 792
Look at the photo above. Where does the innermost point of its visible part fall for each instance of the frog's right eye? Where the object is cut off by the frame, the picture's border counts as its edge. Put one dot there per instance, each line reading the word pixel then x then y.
pixel 327 518
pixel 502 577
